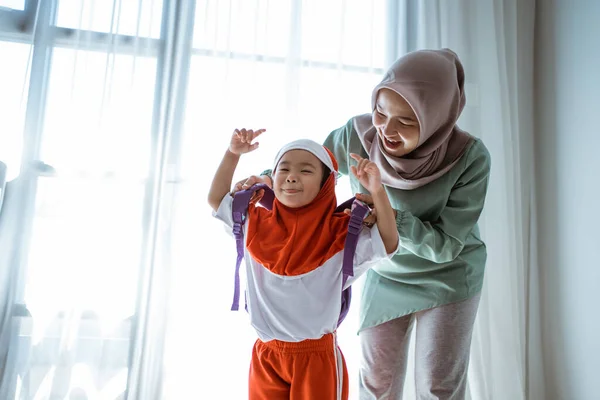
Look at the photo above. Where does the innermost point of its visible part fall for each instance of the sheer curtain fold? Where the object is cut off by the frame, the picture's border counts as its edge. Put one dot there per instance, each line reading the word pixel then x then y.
pixel 146 362
pixel 114 278
pixel 494 40
pixel 300 69
pixel 104 230
pixel 71 226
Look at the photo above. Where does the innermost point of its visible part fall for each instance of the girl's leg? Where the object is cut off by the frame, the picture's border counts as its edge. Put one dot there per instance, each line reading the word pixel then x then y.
pixel 443 341
pixel 266 369
pixel 384 355
pixel 319 371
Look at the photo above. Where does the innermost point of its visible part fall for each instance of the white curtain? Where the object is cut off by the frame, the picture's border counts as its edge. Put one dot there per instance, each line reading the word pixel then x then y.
pixel 115 281
pixel 494 40
pixel 87 108
pixel 298 69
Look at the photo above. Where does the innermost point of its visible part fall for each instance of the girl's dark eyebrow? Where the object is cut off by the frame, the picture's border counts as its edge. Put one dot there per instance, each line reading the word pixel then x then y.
pixel 303 164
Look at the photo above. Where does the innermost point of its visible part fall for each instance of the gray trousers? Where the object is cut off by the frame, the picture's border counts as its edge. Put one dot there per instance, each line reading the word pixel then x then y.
pixel 443 341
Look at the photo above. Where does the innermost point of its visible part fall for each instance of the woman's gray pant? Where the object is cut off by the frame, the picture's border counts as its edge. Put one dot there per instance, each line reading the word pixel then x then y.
pixel 443 341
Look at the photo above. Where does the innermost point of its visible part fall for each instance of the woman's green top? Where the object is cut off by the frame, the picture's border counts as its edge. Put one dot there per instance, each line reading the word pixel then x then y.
pixel 442 258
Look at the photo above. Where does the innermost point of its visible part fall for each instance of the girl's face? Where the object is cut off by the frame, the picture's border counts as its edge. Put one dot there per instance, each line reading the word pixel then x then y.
pixel 297 178
pixel 396 123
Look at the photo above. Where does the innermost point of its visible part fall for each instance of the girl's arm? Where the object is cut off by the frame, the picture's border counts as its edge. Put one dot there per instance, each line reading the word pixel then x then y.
pixel 369 176
pixel 386 219
pixel 241 143
pixel 443 240
pixel 221 183
pixel 336 142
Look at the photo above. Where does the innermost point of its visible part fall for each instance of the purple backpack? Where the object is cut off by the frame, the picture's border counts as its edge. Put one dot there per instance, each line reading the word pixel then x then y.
pixel 241 200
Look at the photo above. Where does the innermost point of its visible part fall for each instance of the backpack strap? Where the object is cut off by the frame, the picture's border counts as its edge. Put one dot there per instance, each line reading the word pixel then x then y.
pixel 358 212
pixel 241 201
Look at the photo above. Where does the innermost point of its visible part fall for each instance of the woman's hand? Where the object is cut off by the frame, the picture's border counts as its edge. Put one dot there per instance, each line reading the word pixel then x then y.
pixel 246 183
pixel 368 199
pixel 249 182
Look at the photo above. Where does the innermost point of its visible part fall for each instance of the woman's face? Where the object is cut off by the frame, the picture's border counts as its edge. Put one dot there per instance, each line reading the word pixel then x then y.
pixel 396 123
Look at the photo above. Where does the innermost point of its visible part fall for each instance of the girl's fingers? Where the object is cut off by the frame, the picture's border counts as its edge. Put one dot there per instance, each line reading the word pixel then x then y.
pixel 355 156
pixel 370 167
pixel 248 135
pixel 363 164
pixel 258 133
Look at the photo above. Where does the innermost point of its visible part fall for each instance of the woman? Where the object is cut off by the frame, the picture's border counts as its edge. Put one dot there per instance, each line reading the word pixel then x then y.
pixel 436 176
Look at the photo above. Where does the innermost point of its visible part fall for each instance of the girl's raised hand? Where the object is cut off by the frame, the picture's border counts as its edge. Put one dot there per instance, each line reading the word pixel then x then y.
pixel 241 141
pixel 367 173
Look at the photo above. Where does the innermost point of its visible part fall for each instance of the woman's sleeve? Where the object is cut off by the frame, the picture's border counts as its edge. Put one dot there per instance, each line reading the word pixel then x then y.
pixel 337 143
pixel 443 240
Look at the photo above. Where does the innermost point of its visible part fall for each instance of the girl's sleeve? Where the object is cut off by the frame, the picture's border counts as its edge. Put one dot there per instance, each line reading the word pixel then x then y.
pixel 224 212
pixel 370 250
pixel 443 240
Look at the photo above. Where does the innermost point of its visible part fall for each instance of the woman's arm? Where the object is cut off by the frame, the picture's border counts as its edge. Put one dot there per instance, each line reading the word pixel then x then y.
pixel 442 240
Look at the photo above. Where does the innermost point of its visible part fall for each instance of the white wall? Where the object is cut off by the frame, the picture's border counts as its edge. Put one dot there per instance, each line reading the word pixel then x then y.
pixel 568 178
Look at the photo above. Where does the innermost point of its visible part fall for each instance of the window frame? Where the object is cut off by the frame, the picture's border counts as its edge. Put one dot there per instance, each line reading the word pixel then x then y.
pixel 173 50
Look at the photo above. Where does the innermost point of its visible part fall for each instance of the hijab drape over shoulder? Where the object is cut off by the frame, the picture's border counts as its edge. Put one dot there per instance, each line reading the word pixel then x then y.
pixel 432 82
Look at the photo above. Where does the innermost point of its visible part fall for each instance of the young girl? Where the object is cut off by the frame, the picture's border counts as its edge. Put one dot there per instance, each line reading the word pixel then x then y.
pixel 294 257
pixel 436 176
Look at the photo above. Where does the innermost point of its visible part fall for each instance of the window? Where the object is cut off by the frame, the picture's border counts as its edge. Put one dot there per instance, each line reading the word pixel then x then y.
pixel 85 99
pixel 13 4
pixel 14 81
pixel 77 108
pixel 291 68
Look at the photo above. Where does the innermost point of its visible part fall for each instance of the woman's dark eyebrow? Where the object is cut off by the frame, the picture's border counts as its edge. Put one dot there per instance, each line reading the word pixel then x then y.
pixel 408 117
pixel 402 116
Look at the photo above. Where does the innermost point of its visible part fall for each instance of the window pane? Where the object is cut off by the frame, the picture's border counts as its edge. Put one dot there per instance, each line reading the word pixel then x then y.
pixel 232 93
pixel 202 362
pixel 99 113
pixel 85 247
pixel 331 97
pixel 14 84
pixel 225 94
pixel 82 276
pixel 14 4
pixel 351 32
pixel 243 26
pixel 124 17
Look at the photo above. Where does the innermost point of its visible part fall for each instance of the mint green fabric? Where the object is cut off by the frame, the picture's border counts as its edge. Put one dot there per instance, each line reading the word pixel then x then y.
pixel 442 257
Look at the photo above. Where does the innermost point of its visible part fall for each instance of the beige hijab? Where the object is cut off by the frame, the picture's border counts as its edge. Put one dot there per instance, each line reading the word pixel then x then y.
pixel 432 82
